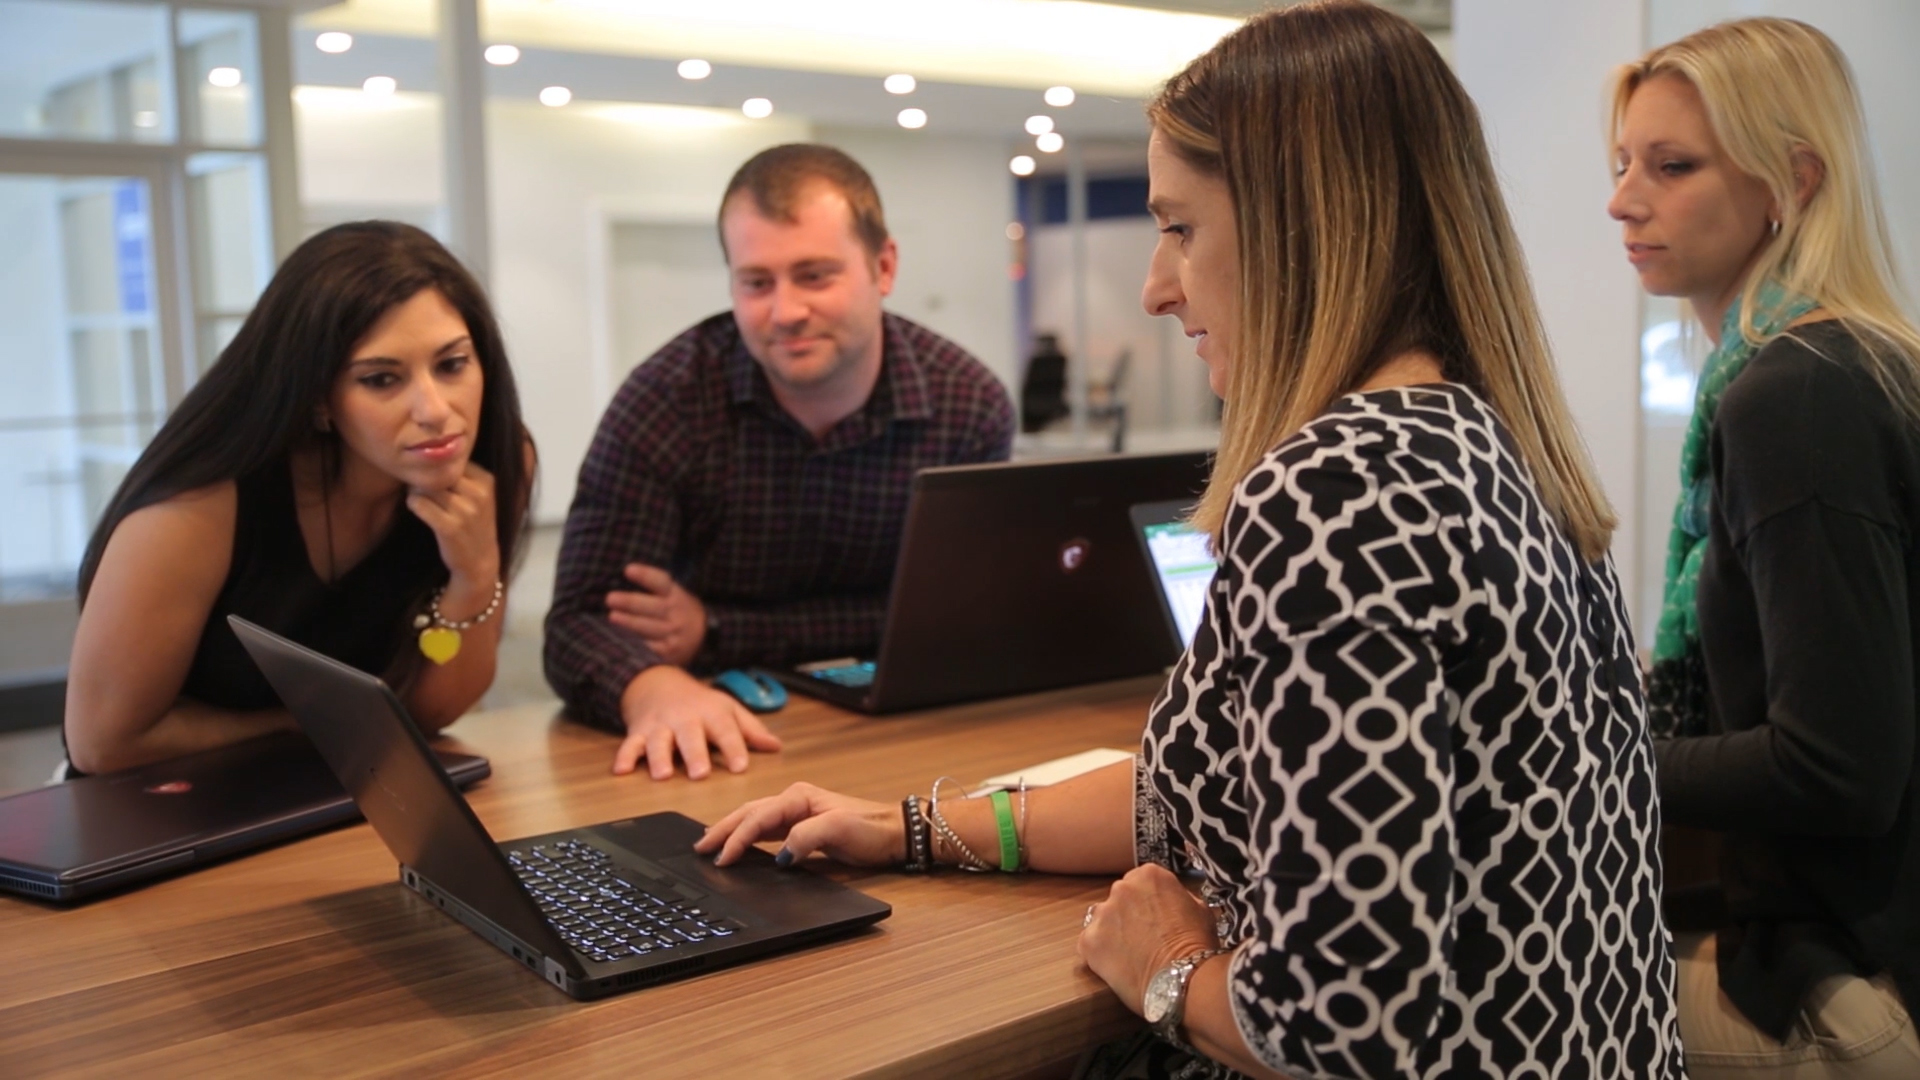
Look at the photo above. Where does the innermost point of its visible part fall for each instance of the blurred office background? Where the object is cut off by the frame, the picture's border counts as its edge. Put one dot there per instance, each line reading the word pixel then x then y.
pixel 156 159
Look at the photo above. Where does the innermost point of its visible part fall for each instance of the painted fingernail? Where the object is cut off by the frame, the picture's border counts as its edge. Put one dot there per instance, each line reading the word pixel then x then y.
pixel 784 859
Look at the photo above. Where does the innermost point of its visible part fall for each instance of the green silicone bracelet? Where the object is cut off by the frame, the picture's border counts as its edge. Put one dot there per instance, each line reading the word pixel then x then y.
pixel 1009 839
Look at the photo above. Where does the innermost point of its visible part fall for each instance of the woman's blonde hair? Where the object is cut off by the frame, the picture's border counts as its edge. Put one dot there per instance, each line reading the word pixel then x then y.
pixel 1370 223
pixel 1775 89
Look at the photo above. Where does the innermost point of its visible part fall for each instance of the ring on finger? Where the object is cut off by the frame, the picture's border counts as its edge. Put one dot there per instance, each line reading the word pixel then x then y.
pixel 1088 921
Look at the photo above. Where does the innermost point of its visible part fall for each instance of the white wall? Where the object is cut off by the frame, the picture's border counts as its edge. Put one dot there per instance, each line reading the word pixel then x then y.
pixel 948 201
pixel 1538 72
pixel 1167 383
pixel 664 278
pixel 356 149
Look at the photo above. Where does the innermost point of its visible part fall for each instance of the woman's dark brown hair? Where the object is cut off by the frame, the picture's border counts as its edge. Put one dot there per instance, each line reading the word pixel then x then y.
pixel 256 405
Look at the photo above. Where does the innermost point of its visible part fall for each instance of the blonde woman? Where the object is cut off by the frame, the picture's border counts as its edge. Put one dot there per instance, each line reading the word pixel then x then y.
pixel 1786 661
pixel 1406 753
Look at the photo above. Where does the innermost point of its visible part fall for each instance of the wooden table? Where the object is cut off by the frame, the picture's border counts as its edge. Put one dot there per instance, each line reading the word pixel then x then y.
pixel 311 959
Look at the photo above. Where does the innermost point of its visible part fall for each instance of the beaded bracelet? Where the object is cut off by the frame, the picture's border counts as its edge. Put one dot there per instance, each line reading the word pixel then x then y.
pixel 440 636
pixel 919 841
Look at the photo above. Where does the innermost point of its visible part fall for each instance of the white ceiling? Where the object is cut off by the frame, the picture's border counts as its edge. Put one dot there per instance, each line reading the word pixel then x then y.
pixel 825 98
pixel 45 42
pixel 1031 44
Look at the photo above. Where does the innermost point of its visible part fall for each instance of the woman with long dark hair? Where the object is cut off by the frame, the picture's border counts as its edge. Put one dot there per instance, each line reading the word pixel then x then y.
pixel 352 473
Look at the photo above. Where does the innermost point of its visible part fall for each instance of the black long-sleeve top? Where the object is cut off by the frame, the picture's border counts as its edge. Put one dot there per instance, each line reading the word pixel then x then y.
pixel 1806 602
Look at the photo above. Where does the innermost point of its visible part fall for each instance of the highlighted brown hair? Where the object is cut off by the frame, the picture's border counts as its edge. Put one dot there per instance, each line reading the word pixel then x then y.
pixel 1370 223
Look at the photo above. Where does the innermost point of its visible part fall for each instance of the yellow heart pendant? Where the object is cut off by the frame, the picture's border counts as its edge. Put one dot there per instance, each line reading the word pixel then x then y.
pixel 439 644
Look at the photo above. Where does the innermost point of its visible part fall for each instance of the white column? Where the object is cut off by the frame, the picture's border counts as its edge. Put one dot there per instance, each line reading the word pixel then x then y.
pixel 1538 72
pixel 1079 362
pixel 463 111
pixel 276 97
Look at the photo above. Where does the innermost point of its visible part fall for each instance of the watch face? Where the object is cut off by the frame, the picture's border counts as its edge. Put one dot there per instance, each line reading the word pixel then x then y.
pixel 1159 996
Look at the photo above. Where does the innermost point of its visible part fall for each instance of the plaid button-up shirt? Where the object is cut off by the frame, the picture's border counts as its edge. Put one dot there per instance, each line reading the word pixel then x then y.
pixel 789 541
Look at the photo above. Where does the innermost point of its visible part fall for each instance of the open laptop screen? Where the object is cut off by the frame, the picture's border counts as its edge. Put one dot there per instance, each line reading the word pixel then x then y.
pixel 1181 562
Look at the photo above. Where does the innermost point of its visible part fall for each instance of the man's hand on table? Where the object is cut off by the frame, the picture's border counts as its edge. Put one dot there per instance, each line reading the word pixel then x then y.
pixel 667 710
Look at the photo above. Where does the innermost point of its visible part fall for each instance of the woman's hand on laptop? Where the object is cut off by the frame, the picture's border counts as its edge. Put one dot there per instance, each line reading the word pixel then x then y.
pixel 667 710
pixel 843 828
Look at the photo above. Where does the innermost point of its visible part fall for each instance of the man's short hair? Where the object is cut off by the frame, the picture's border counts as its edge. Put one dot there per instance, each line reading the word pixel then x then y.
pixel 775 178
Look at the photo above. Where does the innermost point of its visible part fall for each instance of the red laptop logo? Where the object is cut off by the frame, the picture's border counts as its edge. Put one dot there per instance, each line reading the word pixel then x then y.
pixel 1073 554
pixel 171 787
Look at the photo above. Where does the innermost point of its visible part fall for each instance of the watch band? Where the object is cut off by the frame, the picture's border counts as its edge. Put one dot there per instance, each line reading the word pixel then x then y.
pixel 1181 972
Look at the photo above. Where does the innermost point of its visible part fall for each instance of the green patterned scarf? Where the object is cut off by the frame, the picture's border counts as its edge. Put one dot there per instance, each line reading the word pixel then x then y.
pixel 1677 683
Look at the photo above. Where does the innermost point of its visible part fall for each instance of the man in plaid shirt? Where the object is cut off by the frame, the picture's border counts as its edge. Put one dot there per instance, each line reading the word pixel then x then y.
pixel 743 499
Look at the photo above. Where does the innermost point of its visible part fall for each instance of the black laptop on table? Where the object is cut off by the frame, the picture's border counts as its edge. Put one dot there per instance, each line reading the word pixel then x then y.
pixel 99 833
pixel 594 910
pixel 1013 578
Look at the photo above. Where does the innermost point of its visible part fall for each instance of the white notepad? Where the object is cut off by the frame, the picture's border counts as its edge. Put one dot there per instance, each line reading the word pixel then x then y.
pixel 1053 772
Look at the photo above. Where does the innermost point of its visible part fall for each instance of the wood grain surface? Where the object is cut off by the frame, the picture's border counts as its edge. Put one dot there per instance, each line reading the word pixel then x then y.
pixel 311 960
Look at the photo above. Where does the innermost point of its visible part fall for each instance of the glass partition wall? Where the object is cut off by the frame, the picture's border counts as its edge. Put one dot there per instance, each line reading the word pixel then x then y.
pixel 135 210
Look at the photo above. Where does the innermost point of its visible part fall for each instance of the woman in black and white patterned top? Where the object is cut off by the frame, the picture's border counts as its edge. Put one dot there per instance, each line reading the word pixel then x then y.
pixel 1407 751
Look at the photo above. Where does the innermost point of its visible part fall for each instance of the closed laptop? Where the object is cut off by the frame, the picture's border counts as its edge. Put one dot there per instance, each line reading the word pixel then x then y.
pixel 75 839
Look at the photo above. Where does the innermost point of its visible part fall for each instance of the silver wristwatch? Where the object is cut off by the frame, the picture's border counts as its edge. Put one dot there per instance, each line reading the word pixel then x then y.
pixel 1165 1004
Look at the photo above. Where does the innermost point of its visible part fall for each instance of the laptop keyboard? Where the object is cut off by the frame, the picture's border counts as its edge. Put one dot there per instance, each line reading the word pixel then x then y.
pixel 604 915
pixel 848 675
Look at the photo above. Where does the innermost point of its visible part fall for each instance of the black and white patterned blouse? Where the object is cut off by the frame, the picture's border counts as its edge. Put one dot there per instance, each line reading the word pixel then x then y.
pixel 1408 751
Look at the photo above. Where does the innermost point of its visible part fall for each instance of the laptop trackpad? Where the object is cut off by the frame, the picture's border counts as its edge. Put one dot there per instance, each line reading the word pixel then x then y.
pixel 718 878
pixel 648 841
pixel 657 879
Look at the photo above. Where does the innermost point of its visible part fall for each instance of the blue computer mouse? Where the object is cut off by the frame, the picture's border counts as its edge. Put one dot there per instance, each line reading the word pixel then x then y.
pixel 756 690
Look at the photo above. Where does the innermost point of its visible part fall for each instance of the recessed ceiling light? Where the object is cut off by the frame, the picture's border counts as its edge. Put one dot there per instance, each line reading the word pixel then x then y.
pixel 224 77
pixel 900 84
pixel 502 55
pixel 555 96
pixel 1050 143
pixel 757 108
pixel 1022 165
pixel 1039 125
pixel 913 118
pixel 694 69
pixel 1059 96
pixel 334 41
pixel 381 85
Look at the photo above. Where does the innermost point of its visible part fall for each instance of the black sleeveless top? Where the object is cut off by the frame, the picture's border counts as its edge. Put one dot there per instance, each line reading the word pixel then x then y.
pixel 364 619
